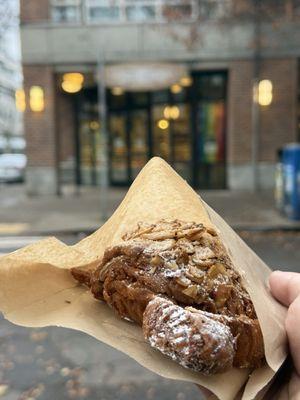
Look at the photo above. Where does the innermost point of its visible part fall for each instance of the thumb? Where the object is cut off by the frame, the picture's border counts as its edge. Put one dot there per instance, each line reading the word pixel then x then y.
pixel 285 286
pixel 292 325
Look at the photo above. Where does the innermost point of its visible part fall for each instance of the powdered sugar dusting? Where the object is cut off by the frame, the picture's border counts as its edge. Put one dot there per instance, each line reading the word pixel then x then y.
pixel 194 341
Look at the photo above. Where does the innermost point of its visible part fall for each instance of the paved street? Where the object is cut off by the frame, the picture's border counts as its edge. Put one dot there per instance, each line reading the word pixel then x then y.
pixel 56 363
pixel 81 212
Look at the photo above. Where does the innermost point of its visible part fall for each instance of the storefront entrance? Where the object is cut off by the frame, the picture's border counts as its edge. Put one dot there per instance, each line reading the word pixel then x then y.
pixel 184 125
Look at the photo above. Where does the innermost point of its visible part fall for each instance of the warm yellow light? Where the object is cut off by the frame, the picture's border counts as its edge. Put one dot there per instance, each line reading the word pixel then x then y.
pixel 94 125
pixel 72 82
pixel 163 124
pixel 176 88
pixel 74 77
pixel 36 98
pixel 186 81
pixel 171 112
pixel 174 112
pixel 20 100
pixel 265 92
pixel 71 87
pixel 117 91
pixel 167 110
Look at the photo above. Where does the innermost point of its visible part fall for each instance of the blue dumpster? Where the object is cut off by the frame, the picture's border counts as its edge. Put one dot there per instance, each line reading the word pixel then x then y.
pixel 291 176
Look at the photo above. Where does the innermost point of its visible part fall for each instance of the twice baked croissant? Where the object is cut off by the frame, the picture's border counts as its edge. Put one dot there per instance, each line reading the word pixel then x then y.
pixel 175 279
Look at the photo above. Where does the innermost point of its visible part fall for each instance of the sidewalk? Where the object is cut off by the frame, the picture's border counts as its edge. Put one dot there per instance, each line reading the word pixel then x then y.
pixel 73 213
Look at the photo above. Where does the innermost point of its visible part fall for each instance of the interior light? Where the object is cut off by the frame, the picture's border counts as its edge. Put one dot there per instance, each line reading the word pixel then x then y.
pixel 176 88
pixel 20 100
pixel 74 77
pixel 72 82
pixel 265 92
pixel 174 112
pixel 171 112
pixel 71 87
pixel 186 81
pixel 117 91
pixel 36 98
pixel 167 112
pixel 94 125
pixel 163 124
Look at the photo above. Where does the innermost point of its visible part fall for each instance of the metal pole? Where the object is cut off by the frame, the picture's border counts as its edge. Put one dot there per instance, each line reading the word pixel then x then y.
pixel 103 138
pixel 255 105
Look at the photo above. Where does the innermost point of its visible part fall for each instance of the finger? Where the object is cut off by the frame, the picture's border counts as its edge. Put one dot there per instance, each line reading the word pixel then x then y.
pixel 208 395
pixel 294 387
pixel 285 286
pixel 292 325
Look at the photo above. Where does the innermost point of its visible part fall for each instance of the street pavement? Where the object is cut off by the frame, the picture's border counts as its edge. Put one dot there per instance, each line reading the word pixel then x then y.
pixel 82 210
pixel 57 364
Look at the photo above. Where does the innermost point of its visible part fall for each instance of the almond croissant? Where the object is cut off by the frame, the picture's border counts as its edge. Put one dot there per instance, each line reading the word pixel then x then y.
pixel 175 279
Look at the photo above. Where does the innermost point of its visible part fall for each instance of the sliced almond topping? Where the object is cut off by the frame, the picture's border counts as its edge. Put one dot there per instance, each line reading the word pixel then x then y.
pixel 152 269
pixel 195 275
pixel 204 264
pixel 156 260
pixel 222 294
pixel 172 265
pixel 183 281
pixel 188 232
pixel 191 291
pixel 216 269
pixel 212 231
pixel 159 235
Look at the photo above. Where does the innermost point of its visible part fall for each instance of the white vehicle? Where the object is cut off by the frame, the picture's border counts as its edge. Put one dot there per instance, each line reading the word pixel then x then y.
pixel 12 167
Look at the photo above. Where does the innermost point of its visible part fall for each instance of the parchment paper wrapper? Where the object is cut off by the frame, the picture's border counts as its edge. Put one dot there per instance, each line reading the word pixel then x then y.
pixel 37 289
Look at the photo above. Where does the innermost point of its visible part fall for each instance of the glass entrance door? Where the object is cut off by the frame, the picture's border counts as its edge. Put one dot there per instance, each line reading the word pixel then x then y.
pixel 118 148
pixel 209 112
pixel 129 150
pixel 138 134
pixel 186 128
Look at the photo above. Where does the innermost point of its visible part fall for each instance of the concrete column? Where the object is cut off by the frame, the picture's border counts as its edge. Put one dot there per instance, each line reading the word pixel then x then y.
pixel 40 133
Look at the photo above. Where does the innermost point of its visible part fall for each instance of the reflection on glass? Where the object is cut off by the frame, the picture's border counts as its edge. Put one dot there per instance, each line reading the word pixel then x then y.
pixel 161 137
pixel 66 13
pixel 138 135
pixel 182 141
pixel 102 10
pixel 211 146
pixel 177 12
pixel 211 120
pixel 140 13
pixel 118 148
pixel 86 152
pixel 211 86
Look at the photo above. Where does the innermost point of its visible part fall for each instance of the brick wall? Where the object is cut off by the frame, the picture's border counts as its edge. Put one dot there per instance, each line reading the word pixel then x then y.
pixel 34 10
pixel 40 126
pixel 278 121
pixel 65 125
pixel 239 111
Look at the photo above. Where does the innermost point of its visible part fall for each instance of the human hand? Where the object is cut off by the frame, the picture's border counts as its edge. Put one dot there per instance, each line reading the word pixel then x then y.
pixel 285 287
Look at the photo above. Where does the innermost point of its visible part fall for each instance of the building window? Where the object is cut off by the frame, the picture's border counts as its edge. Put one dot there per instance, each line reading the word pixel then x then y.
pixel 66 10
pixel 103 10
pixel 178 10
pixel 214 9
pixel 137 11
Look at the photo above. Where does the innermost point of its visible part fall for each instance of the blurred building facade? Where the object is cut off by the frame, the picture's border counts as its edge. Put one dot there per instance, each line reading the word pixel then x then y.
pixel 205 124
pixel 10 75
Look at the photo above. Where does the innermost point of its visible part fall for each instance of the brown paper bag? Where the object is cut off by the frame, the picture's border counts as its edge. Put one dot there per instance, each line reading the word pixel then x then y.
pixel 37 289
